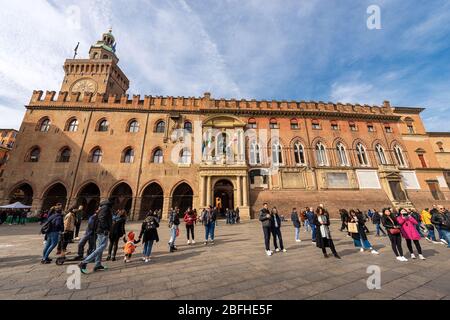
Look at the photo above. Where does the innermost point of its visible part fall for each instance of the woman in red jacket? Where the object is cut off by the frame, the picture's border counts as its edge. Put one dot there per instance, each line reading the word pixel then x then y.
pixel 190 217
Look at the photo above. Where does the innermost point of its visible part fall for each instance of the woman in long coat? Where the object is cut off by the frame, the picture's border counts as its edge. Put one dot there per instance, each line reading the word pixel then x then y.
pixel 117 232
pixel 360 238
pixel 409 232
pixel 149 234
pixel 323 234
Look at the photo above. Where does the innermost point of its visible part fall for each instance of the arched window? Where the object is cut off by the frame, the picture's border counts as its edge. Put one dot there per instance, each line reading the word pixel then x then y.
pixel 273 124
pixel 381 156
pixel 277 153
pixel 188 126
pixel 133 126
pixel 399 156
pixel 64 155
pixel 158 156
pixel 44 125
pixel 362 155
pixel 294 124
pixel 255 153
pixel 342 155
pixel 128 155
pixel 252 123
pixel 321 155
pixel 34 155
pixel 299 154
pixel 410 125
pixel 103 125
pixel 72 125
pixel 440 146
pixel 96 155
pixel 160 127
pixel 185 156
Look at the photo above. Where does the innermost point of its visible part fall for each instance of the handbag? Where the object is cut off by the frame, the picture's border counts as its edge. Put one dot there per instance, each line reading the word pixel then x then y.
pixel 352 227
pixel 394 231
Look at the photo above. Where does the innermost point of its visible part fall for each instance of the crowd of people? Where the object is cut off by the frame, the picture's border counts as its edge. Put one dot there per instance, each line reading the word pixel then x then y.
pixel 400 224
pixel 17 217
pixel 106 229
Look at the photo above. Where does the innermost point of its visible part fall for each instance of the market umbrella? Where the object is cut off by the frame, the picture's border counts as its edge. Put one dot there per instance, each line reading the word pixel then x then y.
pixel 16 205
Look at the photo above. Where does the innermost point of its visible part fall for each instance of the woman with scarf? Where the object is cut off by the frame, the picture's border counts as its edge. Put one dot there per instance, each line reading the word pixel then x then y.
pixel 323 234
pixel 117 232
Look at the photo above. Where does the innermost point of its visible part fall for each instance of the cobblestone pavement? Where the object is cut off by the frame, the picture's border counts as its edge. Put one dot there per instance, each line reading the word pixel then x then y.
pixel 236 267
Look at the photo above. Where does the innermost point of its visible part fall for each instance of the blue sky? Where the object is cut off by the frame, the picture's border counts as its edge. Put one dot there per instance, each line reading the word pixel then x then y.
pixel 262 49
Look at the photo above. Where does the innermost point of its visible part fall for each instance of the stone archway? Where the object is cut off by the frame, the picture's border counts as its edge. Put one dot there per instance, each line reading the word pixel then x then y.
pixel 122 197
pixel 89 198
pixel 55 194
pixel 23 193
pixel 152 199
pixel 224 195
pixel 182 197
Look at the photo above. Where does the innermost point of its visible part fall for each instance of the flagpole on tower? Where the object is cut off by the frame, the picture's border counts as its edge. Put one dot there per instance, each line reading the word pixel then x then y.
pixel 76 50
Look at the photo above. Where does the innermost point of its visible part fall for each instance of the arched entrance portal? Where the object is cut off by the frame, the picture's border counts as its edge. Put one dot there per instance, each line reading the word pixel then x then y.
pixel 89 198
pixel 122 197
pixel 224 195
pixel 152 199
pixel 55 194
pixel 182 197
pixel 23 194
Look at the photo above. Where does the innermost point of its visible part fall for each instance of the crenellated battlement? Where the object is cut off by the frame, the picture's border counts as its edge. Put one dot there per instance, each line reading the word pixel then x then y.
pixel 170 103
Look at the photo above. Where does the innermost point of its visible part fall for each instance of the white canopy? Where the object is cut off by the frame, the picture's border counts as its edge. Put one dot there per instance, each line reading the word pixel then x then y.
pixel 16 205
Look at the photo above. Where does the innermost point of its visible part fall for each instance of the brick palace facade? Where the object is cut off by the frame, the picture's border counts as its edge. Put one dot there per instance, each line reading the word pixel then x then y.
pixel 92 141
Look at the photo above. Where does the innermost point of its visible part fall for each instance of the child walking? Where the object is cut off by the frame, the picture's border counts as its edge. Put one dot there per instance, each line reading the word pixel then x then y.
pixel 130 246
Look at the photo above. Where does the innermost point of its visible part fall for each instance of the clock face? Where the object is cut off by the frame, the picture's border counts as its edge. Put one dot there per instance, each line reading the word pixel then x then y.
pixel 85 85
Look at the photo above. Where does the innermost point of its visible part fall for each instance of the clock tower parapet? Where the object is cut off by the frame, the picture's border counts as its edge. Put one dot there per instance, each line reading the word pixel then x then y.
pixel 99 74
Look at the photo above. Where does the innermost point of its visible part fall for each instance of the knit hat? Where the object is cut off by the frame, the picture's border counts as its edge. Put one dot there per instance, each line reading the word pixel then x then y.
pixel 131 236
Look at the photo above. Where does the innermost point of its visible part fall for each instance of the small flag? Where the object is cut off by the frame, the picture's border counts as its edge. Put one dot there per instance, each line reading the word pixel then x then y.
pixel 76 50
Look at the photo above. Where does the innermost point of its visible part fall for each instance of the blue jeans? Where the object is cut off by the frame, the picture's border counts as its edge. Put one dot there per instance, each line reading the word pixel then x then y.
pixel 173 235
pixel 431 234
pixel 50 244
pixel 362 244
pixel 209 231
pixel 313 229
pixel 441 235
pixel 102 243
pixel 148 248
pixel 307 225
pixel 446 236
pixel 297 233
pixel 378 226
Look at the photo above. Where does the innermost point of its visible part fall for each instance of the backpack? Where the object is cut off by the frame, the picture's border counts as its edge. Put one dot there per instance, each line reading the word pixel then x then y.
pixel 46 227
pixel 150 225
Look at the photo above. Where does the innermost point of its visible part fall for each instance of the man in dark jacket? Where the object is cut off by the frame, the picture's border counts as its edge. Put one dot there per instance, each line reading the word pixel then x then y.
pixel 266 219
pixel 376 220
pixel 174 223
pixel 89 237
pixel 310 218
pixel 441 220
pixel 79 214
pixel 55 224
pixel 297 224
pixel 104 224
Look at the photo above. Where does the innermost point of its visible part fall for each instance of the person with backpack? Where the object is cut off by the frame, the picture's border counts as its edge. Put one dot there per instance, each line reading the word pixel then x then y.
pixel 174 222
pixel 297 224
pixel 209 218
pixel 103 229
pixel 117 232
pixel 52 229
pixel 149 234
pixel 89 237
pixel 190 218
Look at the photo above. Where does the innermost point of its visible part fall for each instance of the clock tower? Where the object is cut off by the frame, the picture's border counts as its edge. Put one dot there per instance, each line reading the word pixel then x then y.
pixel 98 74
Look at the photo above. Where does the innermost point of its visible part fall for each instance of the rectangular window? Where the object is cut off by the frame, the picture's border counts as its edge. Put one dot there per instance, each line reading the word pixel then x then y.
pixel 435 190
pixel 411 129
pixel 388 129
pixel 353 127
pixel 334 126
pixel 316 125
pixel 422 161
pixel 274 126
pixel 252 126
pixel 294 126
pixel 370 128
